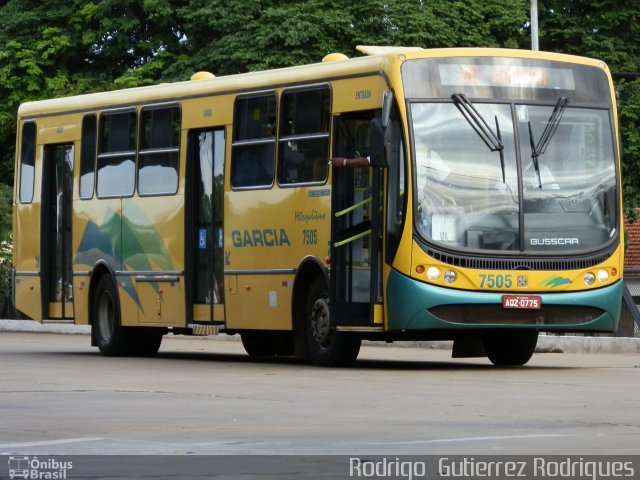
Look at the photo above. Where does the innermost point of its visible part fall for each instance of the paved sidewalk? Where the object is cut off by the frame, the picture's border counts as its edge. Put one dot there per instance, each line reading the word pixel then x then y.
pixel 546 343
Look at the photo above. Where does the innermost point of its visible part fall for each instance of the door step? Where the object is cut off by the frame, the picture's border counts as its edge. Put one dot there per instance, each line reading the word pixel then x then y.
pixel 58 321
pixel 203 330
pixel 362 329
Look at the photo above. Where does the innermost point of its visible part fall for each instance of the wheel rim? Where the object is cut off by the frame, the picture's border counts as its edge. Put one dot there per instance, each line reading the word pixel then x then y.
pixel 320 325
pixel 105 317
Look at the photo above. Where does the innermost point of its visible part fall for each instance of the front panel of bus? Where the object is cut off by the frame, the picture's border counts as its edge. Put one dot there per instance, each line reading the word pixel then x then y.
pixel 516 200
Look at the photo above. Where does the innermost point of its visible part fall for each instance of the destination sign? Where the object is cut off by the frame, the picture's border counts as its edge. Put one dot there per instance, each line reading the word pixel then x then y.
pixel 495 75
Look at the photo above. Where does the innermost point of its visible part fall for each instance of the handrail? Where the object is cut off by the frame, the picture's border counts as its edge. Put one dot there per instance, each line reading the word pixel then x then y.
pixel 351 239
pixel 353 207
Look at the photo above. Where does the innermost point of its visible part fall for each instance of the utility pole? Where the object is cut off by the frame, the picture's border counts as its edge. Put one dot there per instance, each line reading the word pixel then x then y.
pixel 534 25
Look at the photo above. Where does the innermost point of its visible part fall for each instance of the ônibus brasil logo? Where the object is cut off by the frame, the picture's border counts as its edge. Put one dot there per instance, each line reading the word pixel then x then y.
pixel 36 469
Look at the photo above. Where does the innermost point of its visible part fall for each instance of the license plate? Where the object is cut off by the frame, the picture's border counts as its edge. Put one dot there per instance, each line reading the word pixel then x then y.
pixel 525 302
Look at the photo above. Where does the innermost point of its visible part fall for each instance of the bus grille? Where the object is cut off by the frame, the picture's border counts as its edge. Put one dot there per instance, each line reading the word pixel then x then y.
pixel 547 263
pixel 491 314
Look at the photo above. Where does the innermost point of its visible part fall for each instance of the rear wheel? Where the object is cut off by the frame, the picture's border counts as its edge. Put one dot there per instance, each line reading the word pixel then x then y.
pixel 327 346
pixel 145 341
pixel 114 340
pixel 111 338
pixel 510 347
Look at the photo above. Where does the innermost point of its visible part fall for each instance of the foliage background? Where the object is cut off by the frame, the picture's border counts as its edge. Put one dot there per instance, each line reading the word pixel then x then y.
pixel 50 49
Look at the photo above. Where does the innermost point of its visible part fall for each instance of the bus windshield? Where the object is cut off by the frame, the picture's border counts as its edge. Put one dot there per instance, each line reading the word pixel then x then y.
pixel 550 188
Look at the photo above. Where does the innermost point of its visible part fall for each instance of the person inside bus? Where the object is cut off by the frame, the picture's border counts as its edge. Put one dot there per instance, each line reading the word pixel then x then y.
pixel 339 162
pixel 293 161
pixel 376 147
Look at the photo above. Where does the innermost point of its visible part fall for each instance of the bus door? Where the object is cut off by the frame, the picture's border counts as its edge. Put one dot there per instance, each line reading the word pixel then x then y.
pixel 356 227
pixel 204 232
pixel 55 243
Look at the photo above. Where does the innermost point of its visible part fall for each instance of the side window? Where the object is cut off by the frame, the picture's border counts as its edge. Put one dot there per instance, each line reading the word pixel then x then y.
pixel 116 154
pixel 303 146
pixel 27 162
pixel 254 141
pixel 88 156
pixel 159 151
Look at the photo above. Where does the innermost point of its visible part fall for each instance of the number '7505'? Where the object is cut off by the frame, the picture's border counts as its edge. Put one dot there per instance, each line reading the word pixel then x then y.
pixel 490 280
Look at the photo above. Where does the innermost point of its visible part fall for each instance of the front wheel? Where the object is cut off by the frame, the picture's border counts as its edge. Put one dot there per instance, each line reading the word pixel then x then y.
pixel 327 346
pixel 510 347
pixel 267 343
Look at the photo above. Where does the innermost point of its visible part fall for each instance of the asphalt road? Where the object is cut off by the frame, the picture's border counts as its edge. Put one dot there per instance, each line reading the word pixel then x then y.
pixel 59 396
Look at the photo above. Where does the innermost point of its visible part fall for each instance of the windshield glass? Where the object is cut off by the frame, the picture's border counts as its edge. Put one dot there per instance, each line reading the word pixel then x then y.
pixel 462 198
pixel 569 202
pixel 468 188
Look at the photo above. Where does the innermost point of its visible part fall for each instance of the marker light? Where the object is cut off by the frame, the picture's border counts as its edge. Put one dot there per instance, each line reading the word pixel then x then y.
pixel 202 76
pixel 420 269
pixel 589 279
pixel 450 276
pixel 433 273
pixel 603 276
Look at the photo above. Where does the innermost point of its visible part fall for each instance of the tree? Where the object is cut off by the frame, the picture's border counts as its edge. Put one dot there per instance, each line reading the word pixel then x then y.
pixel 27 72
pixel 5 238
pixel 608 30
pixel 255 35
pixel 605 29
pixel 119 37
pixel 629 93
pixel 5 210
pixel 52 50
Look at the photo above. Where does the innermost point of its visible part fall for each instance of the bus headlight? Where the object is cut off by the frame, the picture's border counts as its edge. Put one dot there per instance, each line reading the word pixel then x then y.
pixel 603 276
pixel 433 273
pixel 450 276
pixel 589 279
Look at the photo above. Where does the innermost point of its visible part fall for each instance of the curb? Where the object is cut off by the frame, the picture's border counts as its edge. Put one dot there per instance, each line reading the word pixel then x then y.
pixel 555 344
pixel 546 343
pixel 33 326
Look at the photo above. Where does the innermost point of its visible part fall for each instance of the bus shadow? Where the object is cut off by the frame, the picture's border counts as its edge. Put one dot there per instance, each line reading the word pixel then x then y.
pixel 360 364
pixel 364 364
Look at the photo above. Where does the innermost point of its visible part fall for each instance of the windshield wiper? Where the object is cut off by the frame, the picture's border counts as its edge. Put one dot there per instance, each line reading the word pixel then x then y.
pixel 548 132
pixel 499 135
pixel 492 140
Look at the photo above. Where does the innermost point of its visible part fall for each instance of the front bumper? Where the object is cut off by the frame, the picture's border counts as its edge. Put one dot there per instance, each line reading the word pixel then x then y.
pixel 415 305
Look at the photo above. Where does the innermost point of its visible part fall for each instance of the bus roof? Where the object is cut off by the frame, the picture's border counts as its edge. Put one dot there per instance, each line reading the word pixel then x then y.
pixel 376 62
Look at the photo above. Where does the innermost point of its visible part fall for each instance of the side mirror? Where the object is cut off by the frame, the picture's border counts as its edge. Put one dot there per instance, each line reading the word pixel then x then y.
pixel 379 133
pixel 387 102
pixel 377 144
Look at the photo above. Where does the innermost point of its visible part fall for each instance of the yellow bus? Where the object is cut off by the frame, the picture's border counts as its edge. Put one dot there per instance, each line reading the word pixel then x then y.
pixel 484 206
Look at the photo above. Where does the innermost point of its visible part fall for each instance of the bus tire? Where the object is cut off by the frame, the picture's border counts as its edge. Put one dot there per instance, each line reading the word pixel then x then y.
pixel 265 343
pixel 145 341
pixel 510 348
pixel 111 337
pixel 327 346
